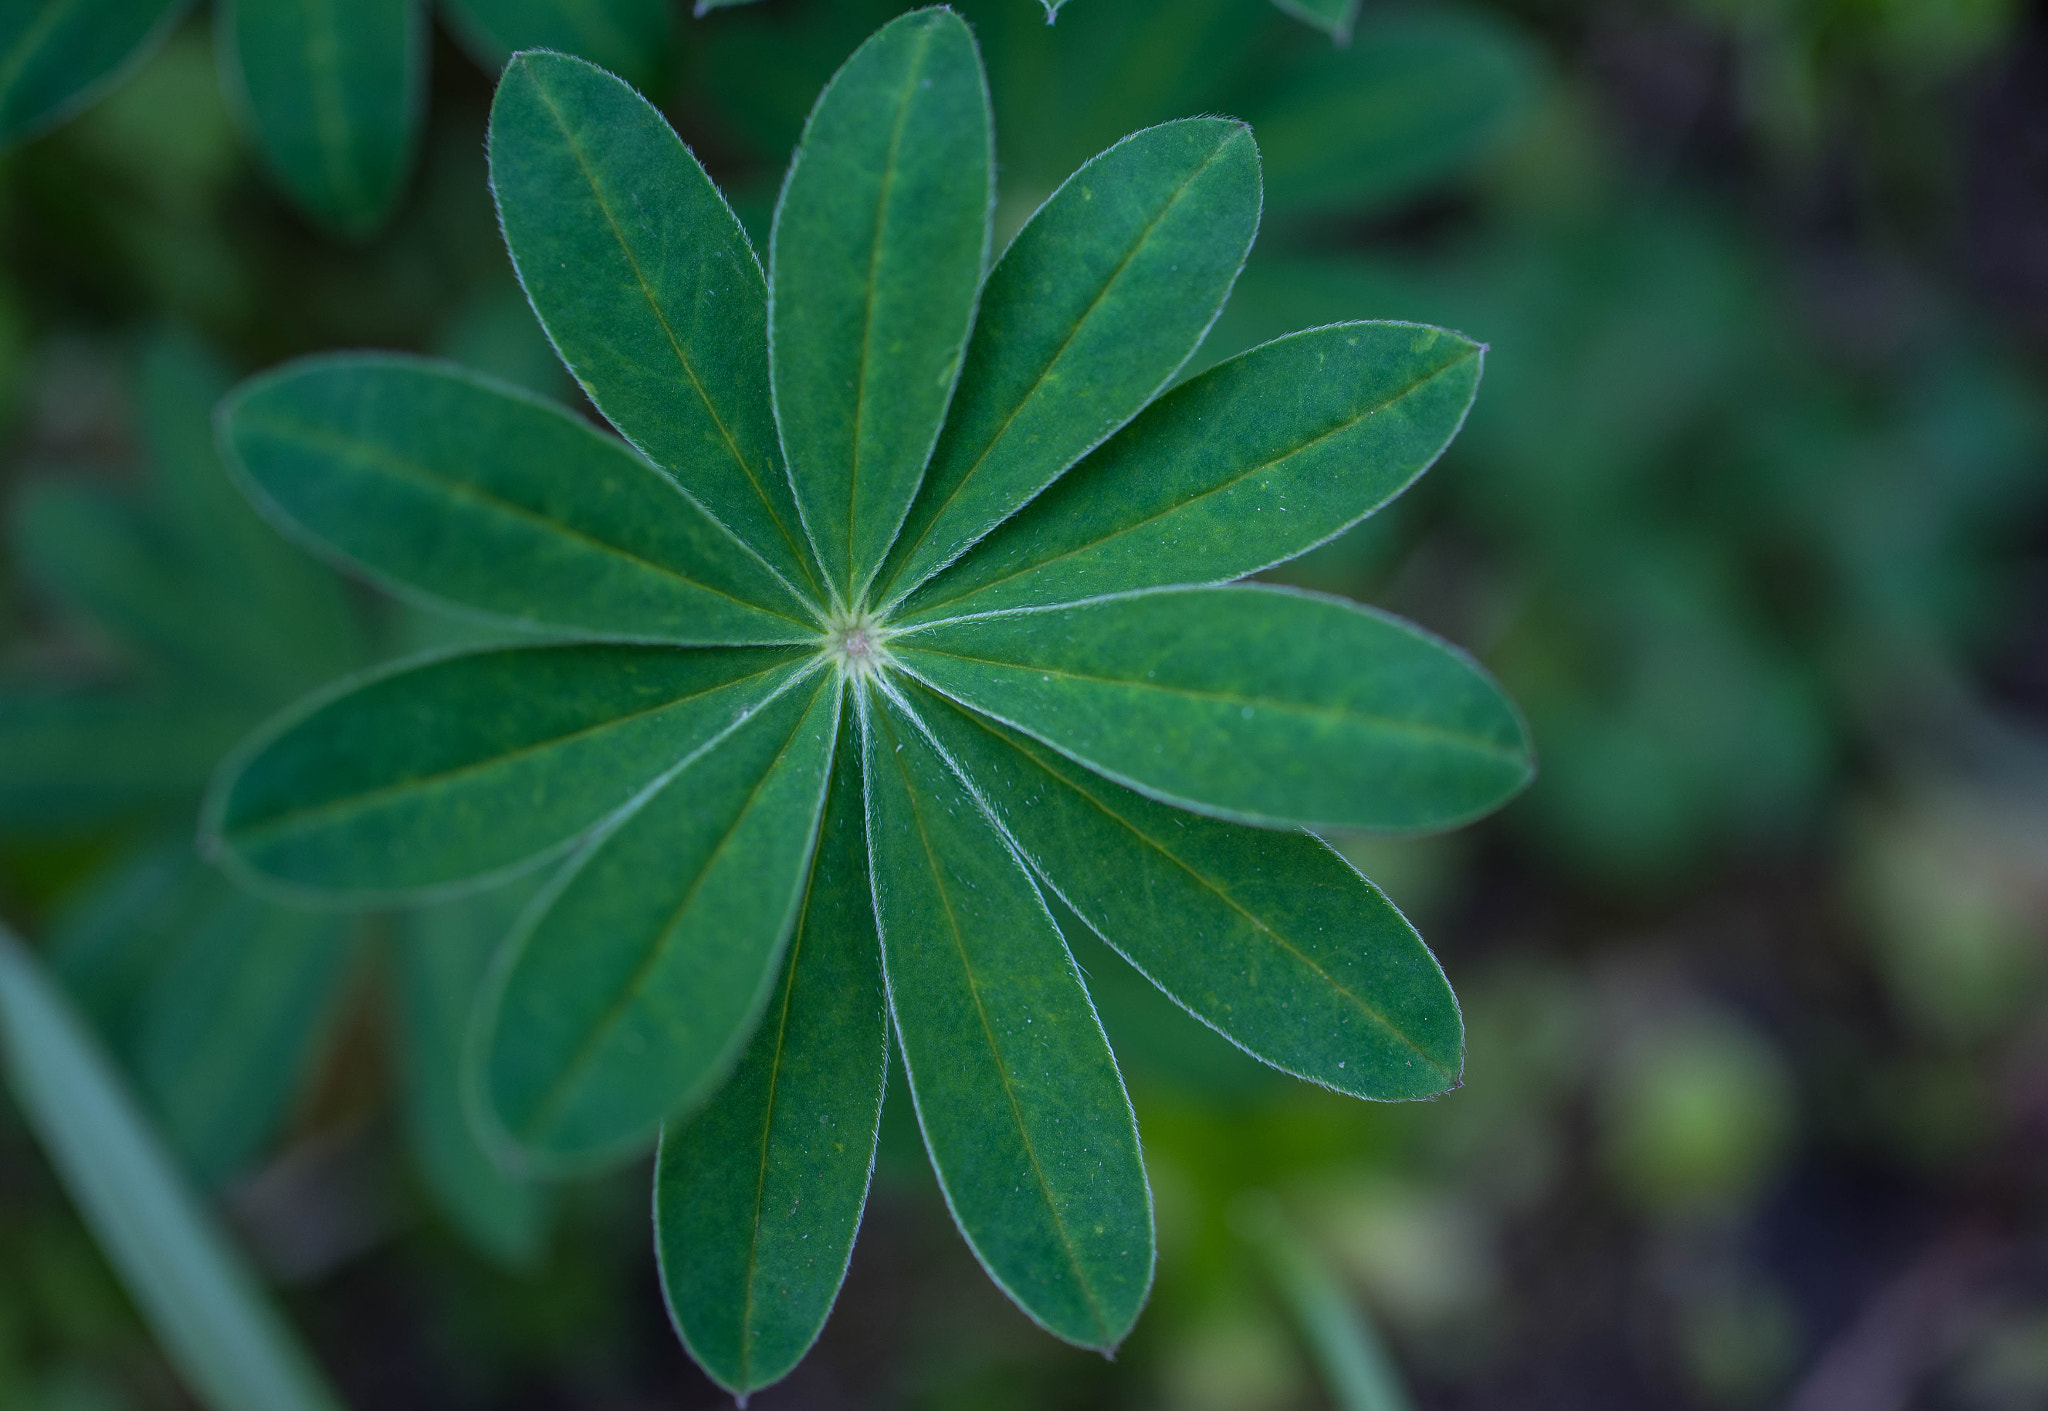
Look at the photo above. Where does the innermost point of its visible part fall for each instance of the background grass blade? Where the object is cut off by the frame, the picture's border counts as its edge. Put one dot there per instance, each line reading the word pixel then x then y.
pixel 648 287
pixel 877 253
pixel 1258 704
pixel 442 955
pixel 757 1198
pixel 1022 1108
pixel 632 38
pixel 470 764
pixel 56 56
pixel 474 494
pixel 1268 937
pixel 332 92
pixel 1098 301
pixel 229 1344
pixel 636 981
pixel 1253 462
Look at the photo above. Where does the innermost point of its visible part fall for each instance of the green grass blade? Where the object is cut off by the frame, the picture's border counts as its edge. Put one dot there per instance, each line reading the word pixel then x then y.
pixel 71 758
pixel 877 253
pixel 1102 296
pixel 438 772
pixel 1259 704
pixel 632 38
pixel 648 287
pixel 56 56
pixel 1258 459
pixel 1269 938
pixel 229 1344
pixel 443 954
pixel 757 1198
pixel 1021 1105
pixel 469 493
pixel 635 981
pixel 334 95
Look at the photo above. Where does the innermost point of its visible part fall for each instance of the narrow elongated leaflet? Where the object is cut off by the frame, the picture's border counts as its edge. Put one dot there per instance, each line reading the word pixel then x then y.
pixel 630 988
pixel 226 1340
pixel 648 288
pixel 1098 301
pixel 443 953
pixel 1022 1108
pixel 877 253
pixel 58 55
pixel 1258 459
pixel 757 1198
pixel 1333 17
pixel 430 774
pixel 472 493
pixel 1268 937
pixel 1259 704
pixel 628 37
pixel 334 93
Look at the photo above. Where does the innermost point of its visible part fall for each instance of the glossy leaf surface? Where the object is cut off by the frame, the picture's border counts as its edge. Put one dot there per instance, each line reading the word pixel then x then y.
pixel 473 763
pixel 632 985
pixel 629 37
pixel 1021 1105
pixel 1254 461
pixel 879 243
pixel 758 1197
pixel 1268 937
pixel 1258 704
pixel 1098 301
pixel 227 1341
pixel 648 287
pixel 442 956
pixel 469 492
pixel 333 92
pixel 58 55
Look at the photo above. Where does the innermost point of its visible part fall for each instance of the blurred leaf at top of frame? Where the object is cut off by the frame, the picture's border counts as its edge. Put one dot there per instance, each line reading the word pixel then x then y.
pixel 1416 97
pixel 219 1003
pixel 55 59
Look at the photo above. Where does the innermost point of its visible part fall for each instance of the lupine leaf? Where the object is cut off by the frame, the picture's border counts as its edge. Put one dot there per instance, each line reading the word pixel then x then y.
pixel 648 287
pixel 1023 1112
pixel 758 1197
pixel 333 92
pixel 629 37
pixel 1098 301
pixel 877 254
pixel 56 56
pixel 93 757
pixel 633 983
pixel 230 1345
pixel 1258 704
pixel 470 492
pixel 1268 937
pixel 1333 17
pixel 442 955
pixel 1253 462
pixel 463 766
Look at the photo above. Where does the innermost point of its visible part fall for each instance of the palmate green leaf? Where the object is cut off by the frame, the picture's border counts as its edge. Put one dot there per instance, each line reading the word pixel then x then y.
pixel 1260 704
pixel 1334 17
pixel 757 1198
pixel 1258 459
pixel 429 774
pixel 630 37
pixel 88 758
pixel 880 239
pixel 648 287
pixel 443 954
pixel 433 479
pixel 228 1343
pixel 1102 296
pixel 56 56
pixel 333 93
pixel 629 988
pixel 1021 1105
pixel 1270 938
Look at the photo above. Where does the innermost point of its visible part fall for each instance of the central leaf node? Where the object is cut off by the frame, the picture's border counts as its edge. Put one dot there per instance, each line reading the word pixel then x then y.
pixel 856 642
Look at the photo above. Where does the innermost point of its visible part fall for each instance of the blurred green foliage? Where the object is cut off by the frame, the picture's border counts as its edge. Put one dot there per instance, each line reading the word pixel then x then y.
pixel 1749 516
